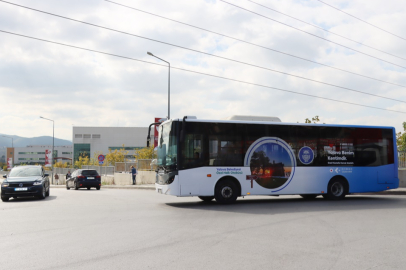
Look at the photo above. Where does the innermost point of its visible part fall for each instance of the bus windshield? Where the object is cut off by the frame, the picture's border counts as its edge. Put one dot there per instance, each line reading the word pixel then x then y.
pixel 167 145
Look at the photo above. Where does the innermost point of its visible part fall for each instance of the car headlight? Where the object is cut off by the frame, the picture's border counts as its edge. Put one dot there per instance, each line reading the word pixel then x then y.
pixel 5 184
pixel 37 183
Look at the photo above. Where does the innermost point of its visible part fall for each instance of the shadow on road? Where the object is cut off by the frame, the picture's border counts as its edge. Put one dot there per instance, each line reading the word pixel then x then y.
pixel 292 204
pixel 31 199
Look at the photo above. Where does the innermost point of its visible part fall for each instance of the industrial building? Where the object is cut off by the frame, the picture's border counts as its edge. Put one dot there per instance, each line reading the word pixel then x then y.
pixel 94 140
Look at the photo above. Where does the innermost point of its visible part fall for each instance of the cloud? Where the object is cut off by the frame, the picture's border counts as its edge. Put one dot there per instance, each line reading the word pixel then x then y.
pixel 76 87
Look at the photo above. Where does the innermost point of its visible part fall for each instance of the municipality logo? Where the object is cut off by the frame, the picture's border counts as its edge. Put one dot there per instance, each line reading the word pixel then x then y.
pixel 306 155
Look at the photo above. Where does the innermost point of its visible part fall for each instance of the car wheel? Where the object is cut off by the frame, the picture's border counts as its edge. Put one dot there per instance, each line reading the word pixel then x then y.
pixel 76 186
pixel 88 188
pixel 67 186
pixel 4 198
pixel 206 198
pixel 98 188
pixel 337 189
pixel 225 192
pixel 47 193
pixel 43 194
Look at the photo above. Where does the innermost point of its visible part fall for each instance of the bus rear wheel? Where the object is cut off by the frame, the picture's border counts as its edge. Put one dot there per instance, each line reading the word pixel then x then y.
pixel 337 189
pixel 206 198
pixel 226 192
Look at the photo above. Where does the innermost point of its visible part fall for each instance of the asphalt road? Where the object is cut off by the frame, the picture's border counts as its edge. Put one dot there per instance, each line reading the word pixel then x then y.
pixel 140 229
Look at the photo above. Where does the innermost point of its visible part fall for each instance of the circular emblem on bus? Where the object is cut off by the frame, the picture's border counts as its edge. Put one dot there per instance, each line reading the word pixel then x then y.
pixel 306 155
pixel 272 163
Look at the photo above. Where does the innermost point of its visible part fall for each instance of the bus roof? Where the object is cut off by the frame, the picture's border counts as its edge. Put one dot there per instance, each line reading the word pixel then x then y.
pixel 273 123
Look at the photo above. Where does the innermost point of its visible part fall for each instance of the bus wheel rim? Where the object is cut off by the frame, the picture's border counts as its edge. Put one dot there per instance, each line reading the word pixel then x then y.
pixel 337 189
pixel 227 192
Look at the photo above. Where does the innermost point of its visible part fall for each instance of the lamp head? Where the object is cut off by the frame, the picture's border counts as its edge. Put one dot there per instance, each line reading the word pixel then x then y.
pixel 150 53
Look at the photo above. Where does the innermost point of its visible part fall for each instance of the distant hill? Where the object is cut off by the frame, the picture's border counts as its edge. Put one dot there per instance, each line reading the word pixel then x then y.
pixel 23 142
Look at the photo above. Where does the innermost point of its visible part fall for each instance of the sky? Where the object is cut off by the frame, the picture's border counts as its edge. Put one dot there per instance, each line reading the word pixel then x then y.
pixel 76 87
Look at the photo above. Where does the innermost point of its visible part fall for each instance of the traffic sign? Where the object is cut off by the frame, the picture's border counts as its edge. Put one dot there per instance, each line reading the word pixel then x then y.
pixel 101 159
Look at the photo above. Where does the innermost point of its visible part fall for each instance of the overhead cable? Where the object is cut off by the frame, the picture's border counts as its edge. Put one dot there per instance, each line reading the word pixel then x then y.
pixel 362 20
pixel 321 28
pixel 253 44
pixel 312 34
pixel 198 72
pixel 213 55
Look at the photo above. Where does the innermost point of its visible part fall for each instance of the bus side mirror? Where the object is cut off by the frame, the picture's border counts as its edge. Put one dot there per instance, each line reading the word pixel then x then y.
pixel 147 143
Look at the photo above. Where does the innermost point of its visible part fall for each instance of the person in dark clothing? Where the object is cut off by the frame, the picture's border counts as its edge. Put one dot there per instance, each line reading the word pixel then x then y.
pixel 133 173
pixel 68 175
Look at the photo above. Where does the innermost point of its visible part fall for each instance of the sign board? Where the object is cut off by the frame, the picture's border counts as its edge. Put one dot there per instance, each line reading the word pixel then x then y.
pixel 48 158
pixel 101 159
pixel 9 163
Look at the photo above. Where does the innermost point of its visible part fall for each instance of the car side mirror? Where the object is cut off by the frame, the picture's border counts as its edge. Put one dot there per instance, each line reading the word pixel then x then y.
pixel 47 174
pixel 4 175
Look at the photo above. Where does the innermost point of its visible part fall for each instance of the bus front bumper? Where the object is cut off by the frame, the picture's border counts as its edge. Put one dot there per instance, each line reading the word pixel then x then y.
pixel 171 189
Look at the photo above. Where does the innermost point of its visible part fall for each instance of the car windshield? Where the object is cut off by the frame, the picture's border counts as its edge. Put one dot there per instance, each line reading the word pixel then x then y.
pixel 25 171
pixel 89 173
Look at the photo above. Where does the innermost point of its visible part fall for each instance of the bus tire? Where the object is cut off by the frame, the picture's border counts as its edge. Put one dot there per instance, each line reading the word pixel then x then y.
pixel 309 196
pixel 337 189
pixel 226 191
pixel 206 198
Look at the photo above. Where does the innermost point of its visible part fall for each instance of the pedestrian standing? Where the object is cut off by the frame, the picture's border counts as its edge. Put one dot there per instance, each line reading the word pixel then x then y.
pixel 56 178
pixel 68 175
pixel 133 173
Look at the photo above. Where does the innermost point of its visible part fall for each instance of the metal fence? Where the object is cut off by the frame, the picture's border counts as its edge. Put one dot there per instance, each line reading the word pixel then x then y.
pixel 140 164
pixel 102 170
pixel 402 159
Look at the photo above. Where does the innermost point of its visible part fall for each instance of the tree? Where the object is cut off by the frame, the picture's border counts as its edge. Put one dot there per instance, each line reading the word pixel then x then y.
pixel 401 139
pixel 145 153
pixel 116 156
pixel 83 160
pixel 60 164
pixel 314 119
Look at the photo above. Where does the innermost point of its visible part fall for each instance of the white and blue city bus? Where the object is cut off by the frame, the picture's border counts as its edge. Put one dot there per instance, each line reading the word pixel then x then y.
pixel 227 159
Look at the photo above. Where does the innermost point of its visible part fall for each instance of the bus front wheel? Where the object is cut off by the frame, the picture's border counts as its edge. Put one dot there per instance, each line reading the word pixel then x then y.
pixel 337 189
pixel 226 192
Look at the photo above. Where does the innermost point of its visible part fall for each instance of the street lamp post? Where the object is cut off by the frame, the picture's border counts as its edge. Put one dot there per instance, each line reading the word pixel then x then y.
pixel 169 81
pixel 12 144
pixel 53 141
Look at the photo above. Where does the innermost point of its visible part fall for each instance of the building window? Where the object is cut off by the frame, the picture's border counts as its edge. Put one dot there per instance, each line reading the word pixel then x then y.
pixel 112 148
pixel 78 136
pixel 86 136
pixel 96 136
pixel 81 149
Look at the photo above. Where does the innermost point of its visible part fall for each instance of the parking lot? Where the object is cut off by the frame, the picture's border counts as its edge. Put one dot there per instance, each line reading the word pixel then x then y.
pixel 140 229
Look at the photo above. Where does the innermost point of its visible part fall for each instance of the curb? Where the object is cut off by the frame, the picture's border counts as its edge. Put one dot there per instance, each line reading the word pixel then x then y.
pixel 400 191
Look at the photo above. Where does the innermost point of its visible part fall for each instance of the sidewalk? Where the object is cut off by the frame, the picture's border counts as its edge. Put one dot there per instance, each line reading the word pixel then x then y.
pixel 398 191
pixel 148 186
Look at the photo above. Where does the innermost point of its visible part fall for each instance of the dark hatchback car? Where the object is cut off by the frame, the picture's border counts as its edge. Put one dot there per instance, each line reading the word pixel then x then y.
pixel 84 179
pixel 25 181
